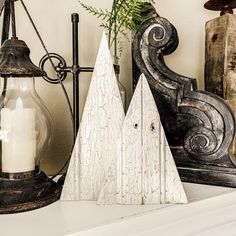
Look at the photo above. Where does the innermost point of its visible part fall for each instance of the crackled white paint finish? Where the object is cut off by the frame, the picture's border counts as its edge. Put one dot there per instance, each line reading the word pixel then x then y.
pixel 95 147
pixel 145 171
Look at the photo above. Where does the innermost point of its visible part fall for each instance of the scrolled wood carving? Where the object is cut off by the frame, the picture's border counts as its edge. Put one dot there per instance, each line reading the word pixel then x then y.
pixel 197 122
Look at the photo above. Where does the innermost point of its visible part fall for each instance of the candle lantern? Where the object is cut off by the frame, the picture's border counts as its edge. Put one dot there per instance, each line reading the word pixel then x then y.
pixel 26 129
pixel 26 125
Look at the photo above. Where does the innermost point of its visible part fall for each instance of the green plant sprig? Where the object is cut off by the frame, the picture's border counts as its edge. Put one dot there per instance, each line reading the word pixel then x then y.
pixel 119 20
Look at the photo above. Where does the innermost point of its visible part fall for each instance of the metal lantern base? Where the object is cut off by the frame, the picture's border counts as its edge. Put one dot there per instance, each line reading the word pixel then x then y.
pixel 19 195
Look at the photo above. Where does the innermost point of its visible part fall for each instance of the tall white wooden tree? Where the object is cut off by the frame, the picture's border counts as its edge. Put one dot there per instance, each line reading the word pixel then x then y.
pixel 101 123
pixel 145 171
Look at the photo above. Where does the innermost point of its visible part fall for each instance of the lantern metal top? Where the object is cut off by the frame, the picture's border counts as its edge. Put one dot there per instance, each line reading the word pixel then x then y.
pixel 15 60
pixel 225 6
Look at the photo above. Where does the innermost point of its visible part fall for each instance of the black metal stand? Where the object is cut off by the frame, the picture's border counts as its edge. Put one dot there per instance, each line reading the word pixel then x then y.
pixel 75 66
pixel 62 70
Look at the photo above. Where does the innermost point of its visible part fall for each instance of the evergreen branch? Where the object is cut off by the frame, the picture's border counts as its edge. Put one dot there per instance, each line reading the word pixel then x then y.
pixel 121 19
pixel 103 14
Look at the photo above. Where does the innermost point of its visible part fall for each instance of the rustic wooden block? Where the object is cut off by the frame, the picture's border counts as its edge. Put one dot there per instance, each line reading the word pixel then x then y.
pixel 230 98
pixel 145 171
pixel 220 49
pixel 101 123
pixel 220 64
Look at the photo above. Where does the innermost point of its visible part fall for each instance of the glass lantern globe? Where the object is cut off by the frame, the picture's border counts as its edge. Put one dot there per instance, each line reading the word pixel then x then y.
pixel 26 126
pixel 26 129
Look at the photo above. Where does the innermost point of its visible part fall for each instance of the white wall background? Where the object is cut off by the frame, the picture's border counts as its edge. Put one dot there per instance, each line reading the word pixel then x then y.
pixel 53 21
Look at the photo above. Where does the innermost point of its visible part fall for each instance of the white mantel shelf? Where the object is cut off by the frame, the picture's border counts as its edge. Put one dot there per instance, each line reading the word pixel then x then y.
pixel 211 211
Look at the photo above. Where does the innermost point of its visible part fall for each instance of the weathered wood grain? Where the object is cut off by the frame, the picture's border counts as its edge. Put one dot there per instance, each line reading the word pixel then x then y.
pixel 95 147
pixel 153 151
pixel 220 48
pixel 230 98
pixel 129 157
pixel 145 171
pixel 220 62
pixel 2 3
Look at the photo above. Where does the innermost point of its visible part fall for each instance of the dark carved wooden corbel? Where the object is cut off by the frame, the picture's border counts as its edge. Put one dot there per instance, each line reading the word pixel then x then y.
pixel 199 125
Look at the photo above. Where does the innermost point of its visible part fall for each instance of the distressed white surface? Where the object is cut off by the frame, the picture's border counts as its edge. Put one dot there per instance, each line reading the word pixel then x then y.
pixel 98 134
pixel 145 171
pixel 211 210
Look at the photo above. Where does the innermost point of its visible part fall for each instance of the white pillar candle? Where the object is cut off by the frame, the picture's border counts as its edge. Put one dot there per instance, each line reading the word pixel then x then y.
pixel 18 139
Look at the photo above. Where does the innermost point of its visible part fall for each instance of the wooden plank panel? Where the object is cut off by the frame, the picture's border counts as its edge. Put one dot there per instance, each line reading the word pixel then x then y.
pixel 95 147
pixel 174 191
pixel 145 171
pixel 131 189
pixel 151 148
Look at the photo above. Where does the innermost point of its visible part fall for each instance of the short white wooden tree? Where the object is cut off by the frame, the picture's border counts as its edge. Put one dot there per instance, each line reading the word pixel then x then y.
pixel 95 147
pixel 145 171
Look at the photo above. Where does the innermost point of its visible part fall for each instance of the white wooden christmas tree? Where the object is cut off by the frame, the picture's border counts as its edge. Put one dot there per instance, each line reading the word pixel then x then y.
pixel 95 147
pixel 145 171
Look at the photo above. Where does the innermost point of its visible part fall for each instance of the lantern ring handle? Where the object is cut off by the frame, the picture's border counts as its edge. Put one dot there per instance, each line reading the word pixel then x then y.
pixel 60 68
